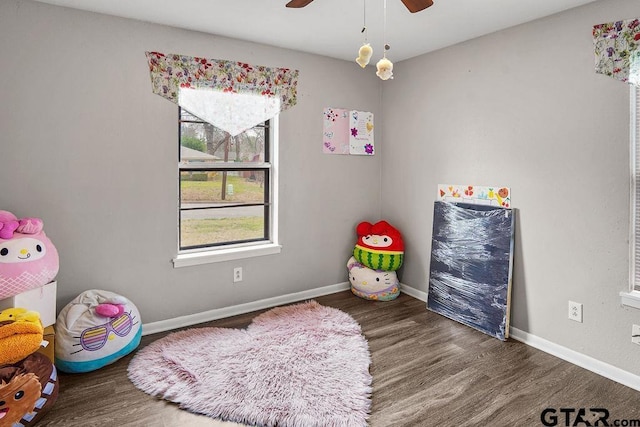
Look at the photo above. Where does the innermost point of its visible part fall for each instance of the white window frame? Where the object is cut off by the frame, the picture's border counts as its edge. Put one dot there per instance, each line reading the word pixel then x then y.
pixel 190 257
pixel 632 296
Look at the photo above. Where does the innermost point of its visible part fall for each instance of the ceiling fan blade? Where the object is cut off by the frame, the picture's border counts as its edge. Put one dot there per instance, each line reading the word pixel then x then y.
pixel 298 3
pixel 416 5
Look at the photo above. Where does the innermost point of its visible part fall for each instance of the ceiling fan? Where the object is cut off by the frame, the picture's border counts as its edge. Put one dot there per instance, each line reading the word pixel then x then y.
pixel 413 5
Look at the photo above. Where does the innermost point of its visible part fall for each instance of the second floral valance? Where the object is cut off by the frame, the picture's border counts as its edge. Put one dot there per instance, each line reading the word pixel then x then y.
pixel 617 50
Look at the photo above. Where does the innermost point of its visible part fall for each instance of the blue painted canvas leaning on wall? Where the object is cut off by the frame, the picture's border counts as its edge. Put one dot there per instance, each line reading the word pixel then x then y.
pixel 471 265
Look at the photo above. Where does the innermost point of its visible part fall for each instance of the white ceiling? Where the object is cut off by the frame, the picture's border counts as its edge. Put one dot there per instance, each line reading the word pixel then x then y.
pixel 333 27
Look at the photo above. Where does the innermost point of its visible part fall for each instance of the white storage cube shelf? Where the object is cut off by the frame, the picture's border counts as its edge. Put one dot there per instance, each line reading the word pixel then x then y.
pixel 42 300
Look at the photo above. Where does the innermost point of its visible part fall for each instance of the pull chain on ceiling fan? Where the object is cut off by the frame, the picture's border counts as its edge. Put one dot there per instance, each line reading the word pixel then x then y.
pixel 413 5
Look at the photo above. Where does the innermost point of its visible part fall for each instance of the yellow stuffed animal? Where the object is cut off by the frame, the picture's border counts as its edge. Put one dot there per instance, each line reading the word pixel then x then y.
pixel 21 334
pixel 385 69
pixel 19 315
pixel 364 55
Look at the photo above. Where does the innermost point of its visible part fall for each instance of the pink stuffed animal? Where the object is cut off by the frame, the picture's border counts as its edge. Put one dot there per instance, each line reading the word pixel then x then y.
pixel 28 259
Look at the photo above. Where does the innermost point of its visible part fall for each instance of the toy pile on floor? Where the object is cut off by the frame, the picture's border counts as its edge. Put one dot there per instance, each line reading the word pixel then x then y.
pixel 376 257
pixel 28 265
pixel 95 329
pixel 28 378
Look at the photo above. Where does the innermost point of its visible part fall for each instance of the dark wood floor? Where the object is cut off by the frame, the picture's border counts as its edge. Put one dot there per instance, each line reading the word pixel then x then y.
pixel 427 371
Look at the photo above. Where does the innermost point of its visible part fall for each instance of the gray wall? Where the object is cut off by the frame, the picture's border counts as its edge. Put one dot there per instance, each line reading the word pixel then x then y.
pixel 523 108
pixel 86 146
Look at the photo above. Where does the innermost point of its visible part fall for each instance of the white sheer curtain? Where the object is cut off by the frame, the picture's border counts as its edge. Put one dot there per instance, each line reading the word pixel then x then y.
pixel 233 112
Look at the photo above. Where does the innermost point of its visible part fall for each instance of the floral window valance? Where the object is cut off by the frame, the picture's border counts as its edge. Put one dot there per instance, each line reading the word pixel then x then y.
pixel 617 50
pixel 232 96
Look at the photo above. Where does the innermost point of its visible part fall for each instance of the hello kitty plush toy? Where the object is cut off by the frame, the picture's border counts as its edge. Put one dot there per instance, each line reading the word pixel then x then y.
pixel 379 285
pixel 94 330
pixel 28 259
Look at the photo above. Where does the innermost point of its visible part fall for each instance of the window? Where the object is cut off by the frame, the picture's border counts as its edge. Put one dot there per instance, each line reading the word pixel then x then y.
pixel 228 181
pixel 635 187
pixel 226 187
pixel 632 298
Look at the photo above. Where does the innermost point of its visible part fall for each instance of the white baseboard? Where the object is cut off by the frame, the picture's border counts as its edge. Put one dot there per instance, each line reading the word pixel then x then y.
pixel 589 363
pixel 579 359
pixel 221 313
pixel 413 292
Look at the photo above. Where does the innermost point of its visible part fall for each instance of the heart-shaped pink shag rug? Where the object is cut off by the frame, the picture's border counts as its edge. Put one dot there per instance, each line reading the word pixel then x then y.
pixel 299 365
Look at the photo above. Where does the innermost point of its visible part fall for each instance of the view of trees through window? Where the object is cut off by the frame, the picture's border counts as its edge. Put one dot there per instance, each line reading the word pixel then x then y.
pixel 224 184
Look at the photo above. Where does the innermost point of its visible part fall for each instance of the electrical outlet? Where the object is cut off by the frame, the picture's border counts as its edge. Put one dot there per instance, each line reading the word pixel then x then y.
pixel 575 311
pixel 237 274
pixel 635 334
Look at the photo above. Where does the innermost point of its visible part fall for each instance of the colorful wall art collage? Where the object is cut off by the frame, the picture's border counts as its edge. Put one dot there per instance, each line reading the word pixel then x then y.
pixel 347 132
pixel 475 194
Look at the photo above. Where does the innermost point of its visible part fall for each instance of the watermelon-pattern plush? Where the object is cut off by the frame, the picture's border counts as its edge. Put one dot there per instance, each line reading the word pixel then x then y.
pixel 380 246
pixel 378 260
pixel 377 255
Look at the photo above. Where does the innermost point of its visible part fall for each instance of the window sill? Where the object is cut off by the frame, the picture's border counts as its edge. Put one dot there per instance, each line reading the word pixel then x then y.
pixel 197 258
pixel 630 299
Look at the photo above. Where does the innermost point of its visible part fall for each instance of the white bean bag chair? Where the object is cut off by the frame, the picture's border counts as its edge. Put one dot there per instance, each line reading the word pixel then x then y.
pixel 96 329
